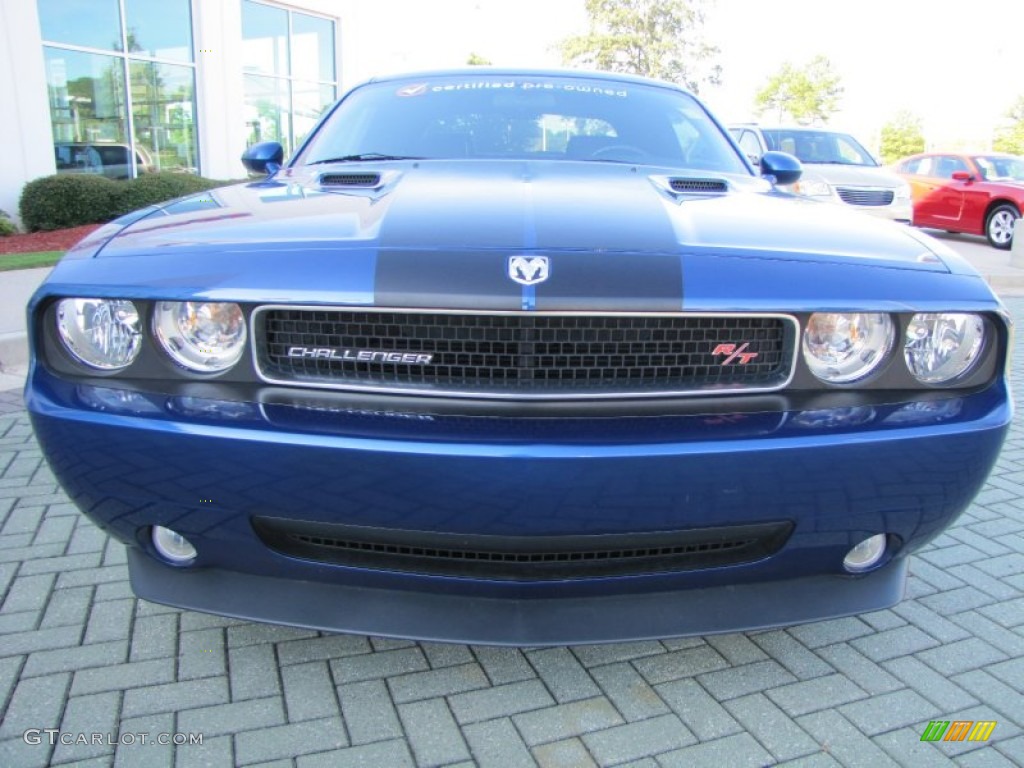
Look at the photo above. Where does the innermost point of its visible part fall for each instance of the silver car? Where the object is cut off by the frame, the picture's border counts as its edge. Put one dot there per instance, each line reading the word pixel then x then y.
pixel 101 158
pixel 837 168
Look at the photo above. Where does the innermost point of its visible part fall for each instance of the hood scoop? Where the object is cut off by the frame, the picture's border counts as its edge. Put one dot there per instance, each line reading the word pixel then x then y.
pixel 351 180
pixel 699 186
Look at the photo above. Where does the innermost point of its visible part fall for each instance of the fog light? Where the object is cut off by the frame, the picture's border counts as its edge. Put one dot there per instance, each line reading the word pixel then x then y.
pixel 865 555
pixel 172 545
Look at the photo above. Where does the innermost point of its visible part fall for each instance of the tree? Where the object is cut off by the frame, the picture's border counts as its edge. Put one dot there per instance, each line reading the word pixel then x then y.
pixel 476 60
pixel 1011 137
pixel 655 38
pixel 901 136
pixel 806 94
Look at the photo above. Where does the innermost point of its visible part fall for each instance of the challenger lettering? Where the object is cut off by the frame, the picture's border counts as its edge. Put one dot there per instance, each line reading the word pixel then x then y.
pixel 360 355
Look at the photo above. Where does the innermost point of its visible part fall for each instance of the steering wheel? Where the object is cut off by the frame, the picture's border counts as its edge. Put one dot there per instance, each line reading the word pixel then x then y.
pixel 622 151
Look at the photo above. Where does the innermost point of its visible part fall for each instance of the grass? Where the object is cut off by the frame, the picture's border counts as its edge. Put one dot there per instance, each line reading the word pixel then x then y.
pixel 11 261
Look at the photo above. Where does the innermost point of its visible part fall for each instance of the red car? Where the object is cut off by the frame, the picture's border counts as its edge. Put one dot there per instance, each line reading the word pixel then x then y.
pixel 976 194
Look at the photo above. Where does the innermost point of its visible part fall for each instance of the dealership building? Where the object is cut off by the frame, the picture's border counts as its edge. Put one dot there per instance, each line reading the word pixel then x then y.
pixel 122 87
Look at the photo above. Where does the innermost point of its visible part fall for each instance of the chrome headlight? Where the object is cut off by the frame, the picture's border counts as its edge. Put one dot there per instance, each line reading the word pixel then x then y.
pixel 903 192
pixel 941 347
pixel 843 347
pixel 206 337
pixel 102 333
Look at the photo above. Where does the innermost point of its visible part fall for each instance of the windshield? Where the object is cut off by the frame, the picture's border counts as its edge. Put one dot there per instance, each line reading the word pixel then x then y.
pixel 516 117
pixel 1000 168
pixel 822 147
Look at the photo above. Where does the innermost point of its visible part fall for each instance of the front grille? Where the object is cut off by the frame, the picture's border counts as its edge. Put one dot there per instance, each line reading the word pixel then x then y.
pixel 523 354
pixel 700 186
pixel 522 558
pixel 862 196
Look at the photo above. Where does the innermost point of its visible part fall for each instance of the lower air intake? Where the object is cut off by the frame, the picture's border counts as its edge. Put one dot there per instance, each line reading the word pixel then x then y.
pixel 522 558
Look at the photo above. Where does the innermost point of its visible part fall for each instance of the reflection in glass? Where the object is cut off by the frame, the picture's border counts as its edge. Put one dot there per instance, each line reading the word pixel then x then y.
pixel 312 48
pixel 266 111
pixel 162 30
pixel 264 39
pixel 89 23
pixel 309 100
pixel 87 112
pixel 163 115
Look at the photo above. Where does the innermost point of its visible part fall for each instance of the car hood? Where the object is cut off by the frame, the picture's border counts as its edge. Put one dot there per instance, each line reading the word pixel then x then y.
pixel 455 205
pixel 443 233
pixel 852 175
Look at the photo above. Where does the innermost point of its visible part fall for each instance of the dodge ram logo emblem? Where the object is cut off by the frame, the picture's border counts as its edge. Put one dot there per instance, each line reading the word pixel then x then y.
pixel 528 270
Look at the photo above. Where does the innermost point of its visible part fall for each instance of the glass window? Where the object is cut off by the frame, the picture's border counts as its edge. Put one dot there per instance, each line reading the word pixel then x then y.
pixel 811 146
pixel 90 101
pixel 1001 168
pixel 266 110
pixel 87 106
pixel 947 165
pixel 163 117
pixel 312 48
pixel 162 30
pixel 88 23
pixel 750 146
pixel 290 73
pixel 309 100
pixel 264 39
pixel 487 116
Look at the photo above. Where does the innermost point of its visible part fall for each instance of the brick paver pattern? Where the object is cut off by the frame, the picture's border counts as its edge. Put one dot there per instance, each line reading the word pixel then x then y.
pixel 80 654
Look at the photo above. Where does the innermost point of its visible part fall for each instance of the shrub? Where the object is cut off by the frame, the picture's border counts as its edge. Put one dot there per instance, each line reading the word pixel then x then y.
pixel 69 200
pixel 66 200
pixel 6 225
pixel 153 188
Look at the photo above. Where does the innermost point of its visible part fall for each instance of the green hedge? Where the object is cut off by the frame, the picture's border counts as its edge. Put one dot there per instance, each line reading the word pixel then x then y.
pixel 56 202
pixel 6 225
pixel 70 200
pixel 153 188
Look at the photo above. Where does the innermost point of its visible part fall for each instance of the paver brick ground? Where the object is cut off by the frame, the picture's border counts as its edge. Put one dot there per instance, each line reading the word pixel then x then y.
pixel 80 654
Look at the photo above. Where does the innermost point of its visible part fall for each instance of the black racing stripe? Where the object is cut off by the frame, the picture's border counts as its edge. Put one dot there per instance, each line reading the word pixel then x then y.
pixel 445 279
pixel 613 281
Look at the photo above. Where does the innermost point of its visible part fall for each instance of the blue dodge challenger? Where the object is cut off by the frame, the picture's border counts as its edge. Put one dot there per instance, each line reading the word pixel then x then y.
pixel 519 358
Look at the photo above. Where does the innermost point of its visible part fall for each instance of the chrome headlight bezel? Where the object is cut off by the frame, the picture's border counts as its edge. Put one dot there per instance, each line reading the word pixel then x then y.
pixel 847 347
pixel 963 336
pixel 205 337
pixel 101 334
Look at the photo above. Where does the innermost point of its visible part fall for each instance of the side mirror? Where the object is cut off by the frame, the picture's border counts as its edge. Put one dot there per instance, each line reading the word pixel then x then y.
pixel 783 166
pixel 263 158
pixel 962 176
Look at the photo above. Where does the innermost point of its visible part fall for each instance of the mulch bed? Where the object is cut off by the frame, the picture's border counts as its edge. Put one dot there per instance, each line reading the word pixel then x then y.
pixel 57 240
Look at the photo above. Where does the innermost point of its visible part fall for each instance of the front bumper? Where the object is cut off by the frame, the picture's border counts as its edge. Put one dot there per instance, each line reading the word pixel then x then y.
pixel 208 468
pixel 898 211
pixel 515 621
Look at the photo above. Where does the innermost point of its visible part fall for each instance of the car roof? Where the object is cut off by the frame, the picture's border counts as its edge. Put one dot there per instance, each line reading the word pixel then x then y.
pixel 961 153
pixel 791 128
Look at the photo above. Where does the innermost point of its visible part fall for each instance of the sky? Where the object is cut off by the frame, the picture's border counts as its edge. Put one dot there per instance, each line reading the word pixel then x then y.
pixel 956 64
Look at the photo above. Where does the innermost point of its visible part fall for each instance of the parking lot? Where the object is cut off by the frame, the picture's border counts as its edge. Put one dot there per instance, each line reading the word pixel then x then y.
pixel 115 675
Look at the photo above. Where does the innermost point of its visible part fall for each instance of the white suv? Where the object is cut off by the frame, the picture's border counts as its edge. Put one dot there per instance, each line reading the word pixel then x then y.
pixel 837 168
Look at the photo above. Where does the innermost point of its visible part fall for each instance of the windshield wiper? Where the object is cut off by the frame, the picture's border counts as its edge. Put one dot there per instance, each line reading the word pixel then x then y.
pixel 363 158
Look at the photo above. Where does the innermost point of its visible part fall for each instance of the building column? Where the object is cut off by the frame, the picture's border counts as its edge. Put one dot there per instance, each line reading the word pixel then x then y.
pixel 219 97
pixel 25 135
